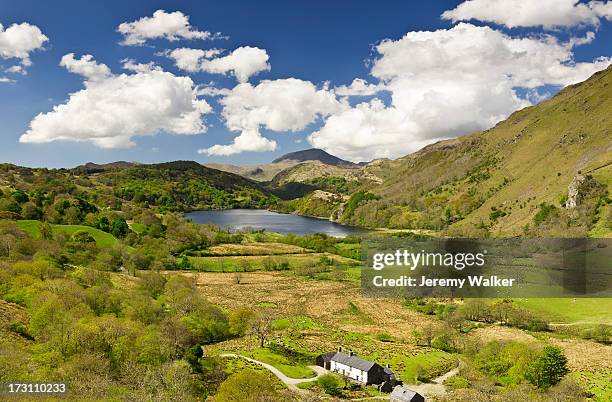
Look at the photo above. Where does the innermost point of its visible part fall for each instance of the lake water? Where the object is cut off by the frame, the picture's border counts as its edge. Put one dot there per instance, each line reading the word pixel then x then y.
pixel 272 222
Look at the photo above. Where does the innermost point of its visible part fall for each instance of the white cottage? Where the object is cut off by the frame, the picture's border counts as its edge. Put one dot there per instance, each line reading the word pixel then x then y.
pixel 354 367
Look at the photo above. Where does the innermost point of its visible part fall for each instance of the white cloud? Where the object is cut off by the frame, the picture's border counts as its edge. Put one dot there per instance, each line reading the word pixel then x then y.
pixel 6 80
pixel 359 87
pixel 247 141
pixel 447 83
pixel 277 105
pixel 112 109
pixel 16 69
pixel 243 62
pixel 189 59
pixel 18 41
pixel 530 13
pixel 85 66
pixel 132 65
pixel 171 26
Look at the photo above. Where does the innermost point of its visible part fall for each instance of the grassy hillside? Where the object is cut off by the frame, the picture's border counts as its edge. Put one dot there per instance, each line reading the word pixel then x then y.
pixel 103 239
pixel 172 186
pixel 495 182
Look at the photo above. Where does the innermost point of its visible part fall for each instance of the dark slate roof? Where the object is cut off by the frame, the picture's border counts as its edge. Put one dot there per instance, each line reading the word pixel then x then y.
pixel 403 394
pixel 353 361
pixel 327 356
pixel 389 372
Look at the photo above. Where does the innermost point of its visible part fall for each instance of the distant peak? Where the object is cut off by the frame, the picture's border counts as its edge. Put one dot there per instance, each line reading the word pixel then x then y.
pixel 314 154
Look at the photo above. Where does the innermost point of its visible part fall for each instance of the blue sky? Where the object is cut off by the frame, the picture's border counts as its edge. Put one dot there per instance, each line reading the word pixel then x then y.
pixel 323 44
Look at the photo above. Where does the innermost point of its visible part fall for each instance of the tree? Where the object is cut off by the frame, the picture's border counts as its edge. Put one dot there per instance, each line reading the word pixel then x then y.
pixel 330 384
pixel 103 224
pixel 119 227
pixel 240 320
pixel 548 368
pixel 247 385
pixel 82 236
pixel 30 211
pixel 72 216
pixel 261 328
pixel 45 231
pixel 193 356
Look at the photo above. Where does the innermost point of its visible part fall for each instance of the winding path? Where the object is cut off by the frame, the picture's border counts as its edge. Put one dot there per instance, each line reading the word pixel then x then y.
pixel 436 387
pixel 290 382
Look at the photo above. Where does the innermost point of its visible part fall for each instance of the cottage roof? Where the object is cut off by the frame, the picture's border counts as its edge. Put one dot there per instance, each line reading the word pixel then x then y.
pixel 403 394
pixel 353 361
pixel 327 356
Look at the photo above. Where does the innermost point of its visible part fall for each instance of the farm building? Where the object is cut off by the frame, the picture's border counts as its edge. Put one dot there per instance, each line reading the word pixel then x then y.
pixel 358 369
pixel 401 394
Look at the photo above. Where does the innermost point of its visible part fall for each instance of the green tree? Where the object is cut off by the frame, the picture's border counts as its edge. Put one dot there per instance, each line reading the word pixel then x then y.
pixel 82 236
pixel 247 385
pixel 119 227
pixel 548 368
pixel 330 384
pixel 193 356
pixel 103 224
pixel 45 231
pixel 29 210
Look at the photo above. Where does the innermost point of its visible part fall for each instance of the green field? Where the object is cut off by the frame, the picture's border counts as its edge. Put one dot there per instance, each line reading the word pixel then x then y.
pixel 290 369
pixel 103 239
pixel 424 365
pixel 588 311
pixel 265 262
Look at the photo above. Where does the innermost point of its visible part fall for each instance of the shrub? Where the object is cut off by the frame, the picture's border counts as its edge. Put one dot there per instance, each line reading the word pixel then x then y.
pixel 548 368
pixel 330 384
pixel 82 236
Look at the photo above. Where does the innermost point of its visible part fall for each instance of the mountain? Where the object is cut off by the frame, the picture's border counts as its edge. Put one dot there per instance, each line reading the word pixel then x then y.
pixel 315 154
pixel 513 179
pixel 170 186
pixel 266 172
pixel 92 167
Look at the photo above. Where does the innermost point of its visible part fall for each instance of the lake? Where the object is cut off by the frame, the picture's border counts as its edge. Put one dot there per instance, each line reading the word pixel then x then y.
pixel 272 222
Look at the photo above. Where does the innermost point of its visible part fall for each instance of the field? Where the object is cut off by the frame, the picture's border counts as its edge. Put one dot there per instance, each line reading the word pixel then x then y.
pixel 571 311
pixel 255 249
pixel 315 316
pixel 251 256
pixel 103 239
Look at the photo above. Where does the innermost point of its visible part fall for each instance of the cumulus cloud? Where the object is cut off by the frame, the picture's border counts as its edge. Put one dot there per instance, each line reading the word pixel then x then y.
pixel 446 83
pixel 85 66
pixel 171 26
pixel 243 62
pixel 277 105
pixel 114 108
pixel 18 41
pixel 247 141
pixel 359 87
pixel 529 13
pixel 6 80
pixel 189 59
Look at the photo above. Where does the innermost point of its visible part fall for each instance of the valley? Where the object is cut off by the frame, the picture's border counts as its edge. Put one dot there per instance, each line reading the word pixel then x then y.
pixel 105 284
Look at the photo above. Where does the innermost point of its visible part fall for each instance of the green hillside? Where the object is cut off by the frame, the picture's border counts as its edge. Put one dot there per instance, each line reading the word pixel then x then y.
pixel 103 239
pixel 510 180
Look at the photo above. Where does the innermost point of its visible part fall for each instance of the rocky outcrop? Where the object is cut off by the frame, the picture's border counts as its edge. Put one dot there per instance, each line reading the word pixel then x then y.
pixel 574 195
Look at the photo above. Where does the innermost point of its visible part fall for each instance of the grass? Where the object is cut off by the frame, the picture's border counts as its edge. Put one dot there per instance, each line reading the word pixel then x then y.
pixel 594 311
pixel 288 368
pixel 103 239
pixel 298 322
pixel 260 262
pixel 138 227
pixel 423 365
pixel 245 249
pixel 597 383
